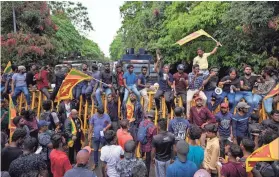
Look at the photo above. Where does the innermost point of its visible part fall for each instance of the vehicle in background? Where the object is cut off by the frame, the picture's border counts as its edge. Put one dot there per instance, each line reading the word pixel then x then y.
pixel 77 64
pixel 139 60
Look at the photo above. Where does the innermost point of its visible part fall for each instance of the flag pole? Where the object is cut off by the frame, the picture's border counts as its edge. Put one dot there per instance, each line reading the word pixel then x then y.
pixel 214 40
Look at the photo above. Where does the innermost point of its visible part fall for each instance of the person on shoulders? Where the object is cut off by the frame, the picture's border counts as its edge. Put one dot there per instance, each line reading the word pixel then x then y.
pixel 182 167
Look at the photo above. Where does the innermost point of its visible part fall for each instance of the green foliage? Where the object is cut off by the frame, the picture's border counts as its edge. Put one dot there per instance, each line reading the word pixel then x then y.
pixel 116 48
pixel 247 30
pixel 91 50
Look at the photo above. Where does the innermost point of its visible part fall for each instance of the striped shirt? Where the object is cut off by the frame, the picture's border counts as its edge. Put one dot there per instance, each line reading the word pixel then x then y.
pixel 195 83
pixel 240 125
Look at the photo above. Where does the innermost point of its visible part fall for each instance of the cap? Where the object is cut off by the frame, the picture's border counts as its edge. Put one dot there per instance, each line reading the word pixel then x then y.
pixel 211 127
pixel 87 148
pixel 43 123
pixel 182 149
pixel 180 67
pixel 198 98
pixel 242 105
pixel 129 148
pixel 224 105
pixel 202 173
pixel 150 114
pixel 21 67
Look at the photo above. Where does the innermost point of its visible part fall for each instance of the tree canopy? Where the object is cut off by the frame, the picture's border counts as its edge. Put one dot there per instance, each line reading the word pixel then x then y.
pixel 248 31
pixel 44 37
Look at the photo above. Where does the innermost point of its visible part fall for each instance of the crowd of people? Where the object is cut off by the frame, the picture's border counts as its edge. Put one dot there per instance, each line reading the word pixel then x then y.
pixel 212 137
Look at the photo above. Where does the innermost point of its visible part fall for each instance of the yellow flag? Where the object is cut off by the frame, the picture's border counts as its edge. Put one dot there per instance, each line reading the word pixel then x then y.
pixel 8 68
pixel 192 36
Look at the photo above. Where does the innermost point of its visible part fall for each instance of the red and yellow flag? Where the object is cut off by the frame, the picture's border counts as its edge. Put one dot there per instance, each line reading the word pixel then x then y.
pixel 71 80
pixel 8 68
pixel 130 110
pixel 267 152
pixel 192 36
pixel 12 115
pixel 271 94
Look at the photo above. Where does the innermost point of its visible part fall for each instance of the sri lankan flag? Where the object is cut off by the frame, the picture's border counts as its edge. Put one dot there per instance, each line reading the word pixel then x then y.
pixel 71 80
pixel 271 94
pixel 8 68
pixel 267 152
pixel 12 115
pixel 192 36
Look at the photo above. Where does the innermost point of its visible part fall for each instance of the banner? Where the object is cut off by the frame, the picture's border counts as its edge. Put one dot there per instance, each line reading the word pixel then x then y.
pixel 267 152
pixel 8 68
pixel 71 80
pixel 192 36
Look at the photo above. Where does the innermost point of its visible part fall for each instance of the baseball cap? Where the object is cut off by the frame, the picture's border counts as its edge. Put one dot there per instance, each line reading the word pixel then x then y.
pixel 43 123
pixel 182 149
pixel 129 148
pixel 242 105
pixel 87 148
pixel 224 105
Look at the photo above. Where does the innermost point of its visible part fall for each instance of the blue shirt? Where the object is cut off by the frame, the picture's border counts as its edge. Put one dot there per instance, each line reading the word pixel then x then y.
pixel 79 171
pixel 225 122
pixel 180 169
pixel 178 126
pixel 240 125
pixel 196 155
pixel 20 79
pixel 99 123
pixel 131 78
pixel 142 79
pixel 163 84
pixel 197 83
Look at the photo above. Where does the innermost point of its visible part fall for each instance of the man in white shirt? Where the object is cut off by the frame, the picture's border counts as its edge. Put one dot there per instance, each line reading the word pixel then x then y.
pixel 201 59
pixel 110 155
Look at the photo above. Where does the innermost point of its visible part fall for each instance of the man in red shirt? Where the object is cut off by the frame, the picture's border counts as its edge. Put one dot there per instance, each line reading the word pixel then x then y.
pixel 59 160
pixel 118 75
pixel 42 81
pixel 123 134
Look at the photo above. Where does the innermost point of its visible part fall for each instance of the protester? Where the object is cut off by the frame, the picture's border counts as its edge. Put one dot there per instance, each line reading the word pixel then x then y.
pixel 195 82
pixel 112 109
pixel 90 91
pixel 162 148
pixel 49 116
pixel 212 150
pixel 147 130
pixel 201 59
pixel 142 87
pixel 230 84
pixel 110 154
pixel 180 84
pixel 247 146
pixel 31 121
pixel 123 134
pixel 119 82
pixel 98 125
pixel 196 152
pixel 165 86
pixel 13 151
pixel 28 161
pixel 240 122
pixel 65 108
pixel 31 83
pixel 73 122
pixel 233 168
pixel 59 160
pixel 19 86
pixel 224 119
pixel 80 88
pixel 81 168
pixel 130 166
pixel 59 77
pixel 106 77
pixel 42 80
pixel 44 139
pixel 179 126
pixel 8 78
pixel 130 81
pixel 182 167
pixel 19 122
pixel 4 116
pixel 274 120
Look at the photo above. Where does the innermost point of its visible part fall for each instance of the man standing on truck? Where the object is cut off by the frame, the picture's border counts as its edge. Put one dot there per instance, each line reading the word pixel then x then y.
pixel 143 86
pixel 165 86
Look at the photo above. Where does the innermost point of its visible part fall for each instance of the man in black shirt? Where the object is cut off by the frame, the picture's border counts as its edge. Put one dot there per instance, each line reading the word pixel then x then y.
pixel 211 81
pixel 112 108
pixel 230 85
pixel 247 83
pixel 13 151
pixel 106 78
pixel 162 148
pixel 59 77
pixel 31 83
pixel 273 121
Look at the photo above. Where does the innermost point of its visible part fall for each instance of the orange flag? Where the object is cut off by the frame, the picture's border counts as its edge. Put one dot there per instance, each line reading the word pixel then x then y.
pixel 71 80
pixel 12 115
pixel 267 152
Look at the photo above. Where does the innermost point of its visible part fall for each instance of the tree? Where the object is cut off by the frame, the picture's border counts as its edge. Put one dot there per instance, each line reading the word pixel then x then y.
pixel 117 47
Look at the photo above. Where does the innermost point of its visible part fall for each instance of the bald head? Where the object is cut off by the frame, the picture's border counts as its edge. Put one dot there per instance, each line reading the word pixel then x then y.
pixel 83 157
pixel 74 113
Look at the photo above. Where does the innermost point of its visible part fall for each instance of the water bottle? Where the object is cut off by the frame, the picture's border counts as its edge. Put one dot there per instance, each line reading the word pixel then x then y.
pixel 231 88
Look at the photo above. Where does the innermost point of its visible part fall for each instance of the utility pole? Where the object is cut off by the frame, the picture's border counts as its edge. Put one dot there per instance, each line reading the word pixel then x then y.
pixel 14 18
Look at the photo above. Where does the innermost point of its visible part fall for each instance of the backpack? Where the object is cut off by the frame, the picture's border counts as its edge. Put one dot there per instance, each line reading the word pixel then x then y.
pixel 49 118
pixel 142 133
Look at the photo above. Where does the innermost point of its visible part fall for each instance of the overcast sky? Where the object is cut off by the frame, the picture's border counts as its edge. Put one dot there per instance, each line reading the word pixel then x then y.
pixel 106 20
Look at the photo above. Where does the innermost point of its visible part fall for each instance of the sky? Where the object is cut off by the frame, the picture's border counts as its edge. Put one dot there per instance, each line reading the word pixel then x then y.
pixel 106 20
